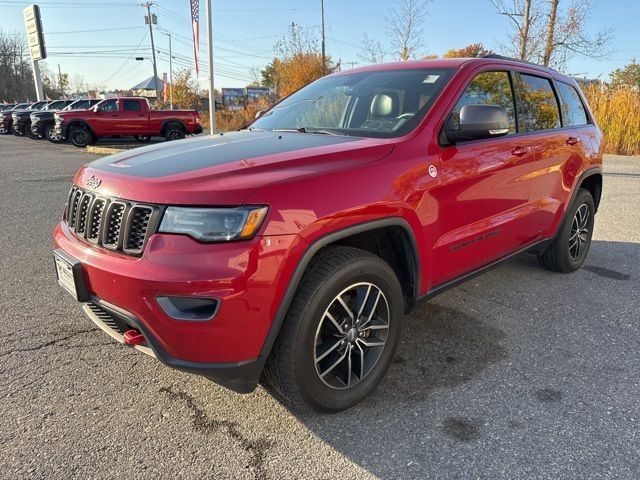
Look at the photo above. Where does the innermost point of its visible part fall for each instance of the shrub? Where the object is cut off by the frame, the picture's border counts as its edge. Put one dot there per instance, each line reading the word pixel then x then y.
pixel 617 112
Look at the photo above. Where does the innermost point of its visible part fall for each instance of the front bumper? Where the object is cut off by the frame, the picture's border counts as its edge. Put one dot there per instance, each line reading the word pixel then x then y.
pixel 37 129
pixel 19 126
pixel 248 278
pixel 5 125
pixel 60 130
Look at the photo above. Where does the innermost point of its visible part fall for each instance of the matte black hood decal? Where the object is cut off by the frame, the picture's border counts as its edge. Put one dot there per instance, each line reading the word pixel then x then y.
pixel 187 155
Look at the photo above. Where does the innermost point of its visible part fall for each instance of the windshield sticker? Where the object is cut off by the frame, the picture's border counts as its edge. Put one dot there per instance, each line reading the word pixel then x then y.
pixel 431 79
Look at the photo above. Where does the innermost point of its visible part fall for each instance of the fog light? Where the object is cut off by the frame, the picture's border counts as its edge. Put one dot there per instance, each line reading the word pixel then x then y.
pixel 194 309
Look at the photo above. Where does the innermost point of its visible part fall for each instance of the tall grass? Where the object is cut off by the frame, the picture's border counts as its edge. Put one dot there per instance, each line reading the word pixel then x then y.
pixel 617 112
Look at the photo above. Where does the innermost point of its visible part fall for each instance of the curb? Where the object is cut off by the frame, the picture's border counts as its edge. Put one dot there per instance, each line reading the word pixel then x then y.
pixel 106 150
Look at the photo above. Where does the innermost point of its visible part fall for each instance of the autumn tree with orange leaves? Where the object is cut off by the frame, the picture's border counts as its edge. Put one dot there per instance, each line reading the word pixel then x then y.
pixel 297 62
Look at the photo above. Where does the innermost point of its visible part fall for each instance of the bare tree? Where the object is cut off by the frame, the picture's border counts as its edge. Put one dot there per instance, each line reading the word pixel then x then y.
pixel 371 50
pixel 404 27
pixel 565 34
pixel 549 34
pixel 526 16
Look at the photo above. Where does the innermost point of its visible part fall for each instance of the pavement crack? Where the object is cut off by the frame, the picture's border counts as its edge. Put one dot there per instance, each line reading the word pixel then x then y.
pixel 257 449
pixel 49 343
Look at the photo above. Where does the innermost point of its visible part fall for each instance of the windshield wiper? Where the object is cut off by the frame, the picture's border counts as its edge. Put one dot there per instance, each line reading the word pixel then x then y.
pixel 308 130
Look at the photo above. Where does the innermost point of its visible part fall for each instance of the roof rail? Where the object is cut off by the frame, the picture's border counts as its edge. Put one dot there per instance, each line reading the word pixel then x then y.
pixel 511 59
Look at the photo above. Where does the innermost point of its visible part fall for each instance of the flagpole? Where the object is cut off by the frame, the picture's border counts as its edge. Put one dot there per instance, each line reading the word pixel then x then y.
pixel 212 100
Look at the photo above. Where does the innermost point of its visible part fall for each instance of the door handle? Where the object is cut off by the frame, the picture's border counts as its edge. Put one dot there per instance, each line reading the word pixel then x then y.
pixel 573 141
pixel 520 151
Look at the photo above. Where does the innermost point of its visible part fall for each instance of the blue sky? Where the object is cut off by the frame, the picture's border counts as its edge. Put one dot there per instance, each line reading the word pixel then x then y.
pixel 245 33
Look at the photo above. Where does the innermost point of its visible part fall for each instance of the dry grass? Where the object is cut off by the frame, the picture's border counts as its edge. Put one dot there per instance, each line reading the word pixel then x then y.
pixel 617 112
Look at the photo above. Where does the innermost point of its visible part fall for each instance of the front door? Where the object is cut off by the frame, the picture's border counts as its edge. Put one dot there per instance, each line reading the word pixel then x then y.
pixel 483 199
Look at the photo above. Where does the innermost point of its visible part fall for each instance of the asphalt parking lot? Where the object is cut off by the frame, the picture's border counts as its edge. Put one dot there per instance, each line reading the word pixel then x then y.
pixel 519 374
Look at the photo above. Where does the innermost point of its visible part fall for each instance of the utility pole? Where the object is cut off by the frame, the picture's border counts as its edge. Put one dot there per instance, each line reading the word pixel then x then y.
pixel 212 98
pixel 153 48
pixel 324 58
pixel 60 81
pixel 170 71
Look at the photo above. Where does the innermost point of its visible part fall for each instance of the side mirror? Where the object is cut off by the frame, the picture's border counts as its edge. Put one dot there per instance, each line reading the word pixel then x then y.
pixel 259 113
pixel 478 122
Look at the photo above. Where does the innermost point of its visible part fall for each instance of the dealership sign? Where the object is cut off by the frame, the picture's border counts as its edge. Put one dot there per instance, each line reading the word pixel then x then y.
pixel 33 23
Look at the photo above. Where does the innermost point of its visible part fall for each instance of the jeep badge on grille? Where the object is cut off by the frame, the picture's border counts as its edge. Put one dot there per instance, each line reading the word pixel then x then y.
pixel 93 182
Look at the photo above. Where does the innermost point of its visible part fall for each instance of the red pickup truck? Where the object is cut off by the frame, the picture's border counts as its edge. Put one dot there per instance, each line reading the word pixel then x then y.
pixel 125 116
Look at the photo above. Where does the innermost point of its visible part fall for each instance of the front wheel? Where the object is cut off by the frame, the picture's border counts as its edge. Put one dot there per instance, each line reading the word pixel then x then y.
pixel 80 136
pixel 50 134
pixel 341 332
pixel 30 132
pixel 569 249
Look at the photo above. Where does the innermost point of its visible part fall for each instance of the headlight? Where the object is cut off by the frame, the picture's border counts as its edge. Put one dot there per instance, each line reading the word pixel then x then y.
pixel 214 224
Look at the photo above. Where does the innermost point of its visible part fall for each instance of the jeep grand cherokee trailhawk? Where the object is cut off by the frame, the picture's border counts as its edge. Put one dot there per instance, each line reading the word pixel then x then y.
pixel 291 250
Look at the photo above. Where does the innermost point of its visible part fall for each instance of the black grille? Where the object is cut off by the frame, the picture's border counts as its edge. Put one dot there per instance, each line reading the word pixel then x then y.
pixel 111 223
pixel 138 224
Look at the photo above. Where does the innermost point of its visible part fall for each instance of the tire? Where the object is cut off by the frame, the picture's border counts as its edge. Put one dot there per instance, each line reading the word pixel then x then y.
pixel 299 369
pixel 30 133
pixel 16 132
pixel 48 133
pixel 80 136
pixel 142 138
pixel 569 248
pixel 173 131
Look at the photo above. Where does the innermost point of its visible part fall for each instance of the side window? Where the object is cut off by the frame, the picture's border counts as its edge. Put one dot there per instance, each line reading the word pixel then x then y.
pixel 132 106
pixel 573 111
pixel 487 88
pixel 109 106
pixel 539 106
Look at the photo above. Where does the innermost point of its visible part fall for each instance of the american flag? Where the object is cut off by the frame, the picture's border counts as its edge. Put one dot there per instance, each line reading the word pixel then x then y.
pixel 195 24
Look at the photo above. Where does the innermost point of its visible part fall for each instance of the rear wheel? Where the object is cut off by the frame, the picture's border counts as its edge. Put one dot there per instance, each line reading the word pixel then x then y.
pixel 341 331
pixel 569 249
pixel 80 136
pixel 173 131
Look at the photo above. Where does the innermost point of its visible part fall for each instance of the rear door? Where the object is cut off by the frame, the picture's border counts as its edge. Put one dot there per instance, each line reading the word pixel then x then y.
pixel 483 201
pixel 133 119
pixel 558 148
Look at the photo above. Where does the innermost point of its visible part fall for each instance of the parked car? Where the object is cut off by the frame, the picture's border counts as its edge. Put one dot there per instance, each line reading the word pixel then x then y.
pixel 42 123
pixel 21 119
pixel 6 118
pixel 291 251
pixel 127 116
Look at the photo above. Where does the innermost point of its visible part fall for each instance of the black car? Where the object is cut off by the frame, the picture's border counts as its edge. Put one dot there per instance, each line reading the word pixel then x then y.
pixel 43 125
pixel 20 118
pixel 6 119
pixel 38 121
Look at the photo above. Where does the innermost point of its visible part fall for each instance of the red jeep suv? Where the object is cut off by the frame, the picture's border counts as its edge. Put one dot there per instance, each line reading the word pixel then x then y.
pixel 290 251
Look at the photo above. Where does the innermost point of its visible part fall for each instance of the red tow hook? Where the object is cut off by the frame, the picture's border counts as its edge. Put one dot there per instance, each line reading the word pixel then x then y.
pixel 133 337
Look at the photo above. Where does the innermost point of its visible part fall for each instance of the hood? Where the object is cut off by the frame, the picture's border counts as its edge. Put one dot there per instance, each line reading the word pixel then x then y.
pixel 224 169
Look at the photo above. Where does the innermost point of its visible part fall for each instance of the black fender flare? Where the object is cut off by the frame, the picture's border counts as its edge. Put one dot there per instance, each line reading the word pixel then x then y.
pixel 315 247
pixel 578 184
pixel 82 123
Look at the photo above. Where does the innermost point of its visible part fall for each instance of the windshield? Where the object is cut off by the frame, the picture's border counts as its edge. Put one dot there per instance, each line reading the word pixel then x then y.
pixel 387 103
pixel 56 105
pixel 22 106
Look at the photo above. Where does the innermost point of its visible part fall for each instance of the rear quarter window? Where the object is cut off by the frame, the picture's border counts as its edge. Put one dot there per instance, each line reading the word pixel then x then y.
pixel 539 106
pixel 573 111
pixel 132 106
